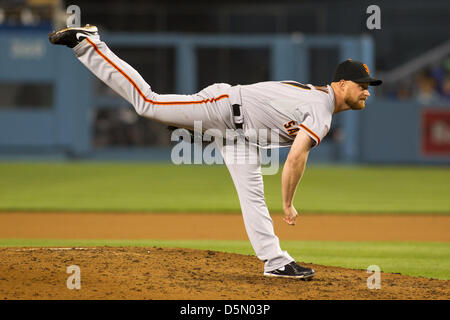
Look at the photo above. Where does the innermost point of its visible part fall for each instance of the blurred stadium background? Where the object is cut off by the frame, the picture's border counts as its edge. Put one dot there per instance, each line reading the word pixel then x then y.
pixel 52 108
pixel 70 144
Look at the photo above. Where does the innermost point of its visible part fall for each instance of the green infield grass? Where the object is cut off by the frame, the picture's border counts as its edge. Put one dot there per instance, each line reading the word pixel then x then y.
pixel 423 259
pixel 123 187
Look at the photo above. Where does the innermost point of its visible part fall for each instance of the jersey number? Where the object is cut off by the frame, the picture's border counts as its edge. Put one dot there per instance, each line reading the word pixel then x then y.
pixel 291 127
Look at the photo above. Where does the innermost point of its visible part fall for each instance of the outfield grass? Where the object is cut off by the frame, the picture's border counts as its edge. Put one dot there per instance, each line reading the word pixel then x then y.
pixel 424 259
pixel 190 188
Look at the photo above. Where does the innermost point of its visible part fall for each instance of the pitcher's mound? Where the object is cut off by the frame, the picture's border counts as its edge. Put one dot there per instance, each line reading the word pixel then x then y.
pixel 180 274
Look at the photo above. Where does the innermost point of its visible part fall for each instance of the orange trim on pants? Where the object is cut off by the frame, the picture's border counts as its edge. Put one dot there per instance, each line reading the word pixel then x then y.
pixel 139 90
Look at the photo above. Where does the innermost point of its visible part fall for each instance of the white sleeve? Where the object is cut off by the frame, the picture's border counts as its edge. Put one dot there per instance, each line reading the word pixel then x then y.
pixel 314 121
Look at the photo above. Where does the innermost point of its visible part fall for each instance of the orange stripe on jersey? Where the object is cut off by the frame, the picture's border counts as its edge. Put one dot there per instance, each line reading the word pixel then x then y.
pixel 139 90
pixel 187 102
pixel 296 84
pixel 312 133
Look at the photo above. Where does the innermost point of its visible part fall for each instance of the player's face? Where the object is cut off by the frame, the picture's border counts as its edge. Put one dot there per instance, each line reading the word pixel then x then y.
pixel 357 94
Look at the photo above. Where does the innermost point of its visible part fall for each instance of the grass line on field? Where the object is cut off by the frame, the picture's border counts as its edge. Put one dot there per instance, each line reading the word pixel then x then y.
pixel 218 212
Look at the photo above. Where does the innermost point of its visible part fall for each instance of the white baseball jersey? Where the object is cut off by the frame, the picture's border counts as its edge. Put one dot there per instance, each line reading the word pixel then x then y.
pixel 289 107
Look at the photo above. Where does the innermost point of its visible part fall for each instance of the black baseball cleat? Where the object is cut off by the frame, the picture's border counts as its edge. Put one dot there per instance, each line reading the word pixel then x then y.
pixel 292 270
pixel 72 36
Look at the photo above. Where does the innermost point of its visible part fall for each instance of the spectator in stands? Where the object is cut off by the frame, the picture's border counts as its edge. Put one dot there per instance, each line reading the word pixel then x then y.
pixel 431 86
pixel 446 81
pixel 403 91
pixel 426 88
pixel 446 87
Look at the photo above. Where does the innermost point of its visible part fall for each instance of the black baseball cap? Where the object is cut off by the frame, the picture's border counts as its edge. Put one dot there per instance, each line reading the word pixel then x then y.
pixel 355 71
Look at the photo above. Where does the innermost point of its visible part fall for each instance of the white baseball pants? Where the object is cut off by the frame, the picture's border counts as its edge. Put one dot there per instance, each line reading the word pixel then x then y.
pixel 211 106
pixel 248 179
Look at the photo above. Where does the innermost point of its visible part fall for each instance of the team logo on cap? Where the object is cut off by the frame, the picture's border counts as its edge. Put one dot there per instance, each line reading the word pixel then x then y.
pixel 367 68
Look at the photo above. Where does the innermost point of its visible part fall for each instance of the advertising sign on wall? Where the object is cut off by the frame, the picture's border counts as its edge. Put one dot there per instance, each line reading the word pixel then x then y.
pixel 436 132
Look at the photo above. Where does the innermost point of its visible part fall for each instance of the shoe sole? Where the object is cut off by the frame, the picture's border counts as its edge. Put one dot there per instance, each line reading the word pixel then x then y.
pixel 55 36
pixel 307 277
pixel 89 29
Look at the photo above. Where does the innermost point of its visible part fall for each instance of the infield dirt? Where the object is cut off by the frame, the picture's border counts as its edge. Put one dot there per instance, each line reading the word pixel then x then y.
pixel 170 273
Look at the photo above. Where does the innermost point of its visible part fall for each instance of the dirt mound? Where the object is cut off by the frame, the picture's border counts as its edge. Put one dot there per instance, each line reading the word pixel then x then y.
pixel 183 274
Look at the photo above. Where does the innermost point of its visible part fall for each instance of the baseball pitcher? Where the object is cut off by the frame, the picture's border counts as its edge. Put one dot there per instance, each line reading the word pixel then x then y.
pixel 300 114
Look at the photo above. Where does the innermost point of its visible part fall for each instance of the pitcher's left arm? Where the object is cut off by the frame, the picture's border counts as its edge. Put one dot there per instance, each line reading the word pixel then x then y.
pixel 292 173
